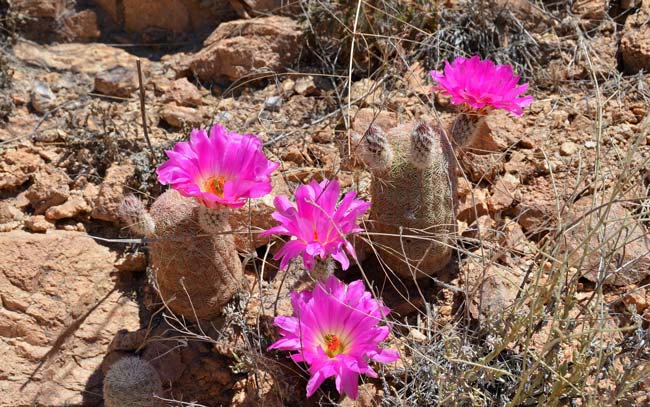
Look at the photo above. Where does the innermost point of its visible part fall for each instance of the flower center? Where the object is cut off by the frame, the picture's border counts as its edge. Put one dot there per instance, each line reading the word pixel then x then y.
pixel 215 185
pixel 332 345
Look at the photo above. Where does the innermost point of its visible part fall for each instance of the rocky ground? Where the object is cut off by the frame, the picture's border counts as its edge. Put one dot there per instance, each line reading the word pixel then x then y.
pixel 553 212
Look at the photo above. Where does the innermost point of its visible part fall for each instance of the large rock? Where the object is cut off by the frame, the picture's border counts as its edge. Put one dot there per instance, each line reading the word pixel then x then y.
pixel 247 47
pixel 111 192
pixel 58 315
pixel 635 43
pixel 619 242
pixel 78 58
pixel 174 16
pixel 81 26
pixel 41 19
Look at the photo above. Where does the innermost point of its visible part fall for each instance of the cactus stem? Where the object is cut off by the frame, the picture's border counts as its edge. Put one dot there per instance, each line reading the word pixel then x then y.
pixel 322 269
pixel 423 138
pixel 214 220
pixel 466 128
pixel 375 151
pixel 133 212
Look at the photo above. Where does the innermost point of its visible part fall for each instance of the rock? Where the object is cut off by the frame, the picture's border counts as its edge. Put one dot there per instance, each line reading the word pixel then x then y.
pixel 258 387
pixel 620 242
pixel 590 9
pixel 503 193
pixel 179 116
pixel 184 93
pixel 482 167
pixel 483 229
pixel 568 148
pixel 192 365
pixel 111 192
pixel 10 217
pixel 243 48
pixel 490 289
pixel 73 207
pixel 256 216
pixel 512 236
pixel 635 41
pixel 42 98
pixel 38 224
pixel 50 187
pixel 117 81
pixel 39 19
pixel 58 315
pixel 132 262
pixel 173 16
pixel 248 8
pixel 74 57
pixel 273 103
pixel 639 297
pixel 17 167
pixel 305 86
pixel 367 92
pixel 9 213
pixel 473 205
pixel 82 26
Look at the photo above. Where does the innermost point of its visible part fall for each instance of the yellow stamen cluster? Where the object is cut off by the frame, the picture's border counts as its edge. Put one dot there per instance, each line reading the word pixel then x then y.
pixel 332 345
pixel 214 185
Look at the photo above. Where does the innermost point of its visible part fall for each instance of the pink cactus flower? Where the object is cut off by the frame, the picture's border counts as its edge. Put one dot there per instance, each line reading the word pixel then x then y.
pixel 482 85
pixel 224 169
pixel 317 223
pixel 336 332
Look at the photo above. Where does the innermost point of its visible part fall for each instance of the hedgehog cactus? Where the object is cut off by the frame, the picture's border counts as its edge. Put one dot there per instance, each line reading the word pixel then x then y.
pixel 195 264
pixel 194 261
pixel 132 382
pixel 413 196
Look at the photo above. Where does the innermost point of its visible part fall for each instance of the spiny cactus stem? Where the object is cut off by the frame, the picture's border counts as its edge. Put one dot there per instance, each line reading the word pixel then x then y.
pixel 375 151
pixel 132 382
pixel 423 138
pixel 465 128
pixel 214 220
pixel 133 212
pixel 322 269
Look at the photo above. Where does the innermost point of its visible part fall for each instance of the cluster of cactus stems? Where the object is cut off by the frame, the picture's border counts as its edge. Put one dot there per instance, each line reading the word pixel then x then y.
pixel 196 268
pixel 413 194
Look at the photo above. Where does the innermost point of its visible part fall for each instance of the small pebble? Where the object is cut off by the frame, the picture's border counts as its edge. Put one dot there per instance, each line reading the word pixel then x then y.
pixel 568 148
pixel 273 103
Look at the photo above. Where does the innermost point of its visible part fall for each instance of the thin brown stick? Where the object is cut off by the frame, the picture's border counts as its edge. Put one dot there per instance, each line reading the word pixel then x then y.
pixel 142 111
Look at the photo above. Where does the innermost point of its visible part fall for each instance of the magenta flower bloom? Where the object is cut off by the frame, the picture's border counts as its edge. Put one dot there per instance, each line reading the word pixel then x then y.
pixel 225 168
pixel 336 332
pixel 318 225
pixel 482 85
